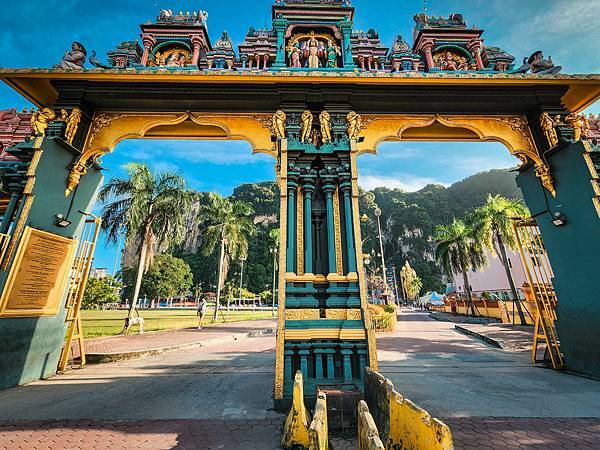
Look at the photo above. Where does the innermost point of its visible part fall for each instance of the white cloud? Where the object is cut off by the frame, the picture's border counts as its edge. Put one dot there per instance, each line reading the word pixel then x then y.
pixel 406 182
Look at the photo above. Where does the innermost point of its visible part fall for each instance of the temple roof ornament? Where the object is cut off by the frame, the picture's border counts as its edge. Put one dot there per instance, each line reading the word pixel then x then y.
pixel 311 35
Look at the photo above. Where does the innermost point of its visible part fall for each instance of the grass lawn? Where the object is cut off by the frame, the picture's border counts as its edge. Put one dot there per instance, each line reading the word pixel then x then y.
pixel 110 323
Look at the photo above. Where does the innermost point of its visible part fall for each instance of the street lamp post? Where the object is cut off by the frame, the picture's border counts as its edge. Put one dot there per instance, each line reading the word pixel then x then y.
pixel 383 269
pixel 242 259
pixel 274 251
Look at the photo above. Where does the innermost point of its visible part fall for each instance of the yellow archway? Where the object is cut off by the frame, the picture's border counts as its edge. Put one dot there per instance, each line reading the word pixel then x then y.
pixel 510 130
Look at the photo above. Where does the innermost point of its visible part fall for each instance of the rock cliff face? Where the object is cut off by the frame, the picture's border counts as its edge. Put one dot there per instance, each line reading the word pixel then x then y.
pixel 408 223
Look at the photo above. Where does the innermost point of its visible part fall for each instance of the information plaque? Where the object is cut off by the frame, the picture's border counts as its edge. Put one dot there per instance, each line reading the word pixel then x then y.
pixel 38 276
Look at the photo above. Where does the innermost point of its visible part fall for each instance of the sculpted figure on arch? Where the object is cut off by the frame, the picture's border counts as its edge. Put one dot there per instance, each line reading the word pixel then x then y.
pixel 325 120
pixel 307 121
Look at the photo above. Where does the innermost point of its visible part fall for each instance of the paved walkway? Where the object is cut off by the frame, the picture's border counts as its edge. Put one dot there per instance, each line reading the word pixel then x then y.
pixel 135 345
pixel 491 398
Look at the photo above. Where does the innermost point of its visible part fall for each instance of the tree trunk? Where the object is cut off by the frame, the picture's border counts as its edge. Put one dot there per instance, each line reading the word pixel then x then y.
pixel 511 282
pixel 138 279
pixel 219 282
pixel 468 291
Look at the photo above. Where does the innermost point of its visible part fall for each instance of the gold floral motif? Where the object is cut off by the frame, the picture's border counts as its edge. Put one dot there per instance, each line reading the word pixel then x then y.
pixel 101 120
pixel 343 314
pixel 339 263
pixel 300 232
pixel 280 338
pixel 302 314
pixel 80 168
pixel 72 121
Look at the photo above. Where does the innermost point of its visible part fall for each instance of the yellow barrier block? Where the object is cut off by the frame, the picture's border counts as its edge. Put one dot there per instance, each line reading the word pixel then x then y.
pixel 412 428
pixel 297 424
pixel 368 436
pixel 318 432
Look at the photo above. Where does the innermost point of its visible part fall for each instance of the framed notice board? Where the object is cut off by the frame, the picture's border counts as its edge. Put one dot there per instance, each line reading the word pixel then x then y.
pixel 38 276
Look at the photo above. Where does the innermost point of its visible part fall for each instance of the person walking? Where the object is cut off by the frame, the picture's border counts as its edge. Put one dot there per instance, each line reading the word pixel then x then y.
pixel 201 312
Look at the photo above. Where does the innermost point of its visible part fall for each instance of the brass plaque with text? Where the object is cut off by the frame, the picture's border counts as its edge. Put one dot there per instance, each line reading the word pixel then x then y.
pixel 38 276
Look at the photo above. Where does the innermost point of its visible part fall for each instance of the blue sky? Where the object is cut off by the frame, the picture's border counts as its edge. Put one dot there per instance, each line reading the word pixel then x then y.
pixel 36 34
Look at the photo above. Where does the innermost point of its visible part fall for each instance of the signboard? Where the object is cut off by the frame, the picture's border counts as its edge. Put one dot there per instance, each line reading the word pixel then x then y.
pixel 38 276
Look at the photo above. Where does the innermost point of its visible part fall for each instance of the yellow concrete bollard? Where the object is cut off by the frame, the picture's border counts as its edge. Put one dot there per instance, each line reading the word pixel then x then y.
pixel 368 436
pixel 412 428
pixel 318 432
pixel 297 424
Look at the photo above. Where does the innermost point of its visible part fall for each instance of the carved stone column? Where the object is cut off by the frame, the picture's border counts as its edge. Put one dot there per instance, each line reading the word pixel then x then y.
pixel 308 189
pixel 346 188
pixel 427 48
pixel 197 44
pixel 475 49
pixel 346 29
pixel 149 42
pixel 292 186
pixel 280 25
pixel 329 190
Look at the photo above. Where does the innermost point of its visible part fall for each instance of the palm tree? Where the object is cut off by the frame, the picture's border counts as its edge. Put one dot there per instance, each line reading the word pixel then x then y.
pixel 493 225
pixel 228 223
pixel 150 208
pixel 458 252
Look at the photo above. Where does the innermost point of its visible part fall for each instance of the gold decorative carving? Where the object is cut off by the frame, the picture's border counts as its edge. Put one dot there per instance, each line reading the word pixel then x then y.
pixel 325 121
pixel 512 131
pixel 100 121
pixel 580 125
pixel 72 121
pixel 80 168
pixel 174 57
pixel 39 275
pixel 354 124
pixel 339 262
pixel 307 122
pixel 343 314
pixel 278 124
pixel 281 148
pixel 548 127
pixel 302 314
pixel 41 119
pixel 299 232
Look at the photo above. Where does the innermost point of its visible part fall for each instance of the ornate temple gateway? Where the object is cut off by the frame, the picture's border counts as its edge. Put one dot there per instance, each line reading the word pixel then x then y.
pixel 315 93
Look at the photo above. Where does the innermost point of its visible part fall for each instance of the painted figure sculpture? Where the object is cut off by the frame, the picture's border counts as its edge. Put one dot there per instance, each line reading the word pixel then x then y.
pixel 541 66
pixel 75 59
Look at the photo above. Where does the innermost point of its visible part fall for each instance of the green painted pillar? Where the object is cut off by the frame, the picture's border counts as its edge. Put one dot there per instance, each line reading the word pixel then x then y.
pixel 291 227
pixel 319 363
pixel 347 355
pixel 287 373
pixel 330 365
pixel 346 188
pixel 308 189
pixel 280 25
pixel 329 189
pixel 304 361
pixel 346 29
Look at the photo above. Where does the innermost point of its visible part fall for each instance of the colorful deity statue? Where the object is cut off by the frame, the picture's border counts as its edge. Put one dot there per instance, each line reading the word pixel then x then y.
pixel 295 54
pixel 313 49
pixel 75 59
pixel 541 66
pixel 332 54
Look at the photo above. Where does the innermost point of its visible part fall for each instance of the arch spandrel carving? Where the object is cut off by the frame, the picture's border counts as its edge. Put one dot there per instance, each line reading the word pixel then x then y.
pixel 511 130
pixel 108 129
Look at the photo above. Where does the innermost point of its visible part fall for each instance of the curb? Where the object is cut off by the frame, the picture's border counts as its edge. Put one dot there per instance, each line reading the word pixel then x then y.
pixel 100 358
pixel 494 342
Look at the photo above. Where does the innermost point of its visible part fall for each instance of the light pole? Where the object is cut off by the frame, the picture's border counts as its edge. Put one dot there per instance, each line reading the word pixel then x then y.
pixel 383 270
pixel 274 251
pixel 242 259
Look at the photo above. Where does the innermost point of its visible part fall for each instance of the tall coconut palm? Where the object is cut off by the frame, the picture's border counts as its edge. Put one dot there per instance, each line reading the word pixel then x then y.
pixel 150 208
pixel 229 224
pixel 458 251
pixel 493 225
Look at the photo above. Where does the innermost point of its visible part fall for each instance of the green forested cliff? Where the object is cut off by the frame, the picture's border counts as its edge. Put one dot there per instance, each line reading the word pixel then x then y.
pixel 408 221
